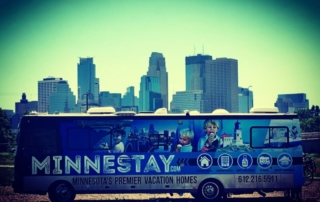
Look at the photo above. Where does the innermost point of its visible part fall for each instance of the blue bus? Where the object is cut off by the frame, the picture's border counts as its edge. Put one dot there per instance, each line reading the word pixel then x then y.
pixel 209 155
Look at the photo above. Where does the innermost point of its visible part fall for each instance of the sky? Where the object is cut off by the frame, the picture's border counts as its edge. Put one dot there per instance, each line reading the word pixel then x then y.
pixel 276 43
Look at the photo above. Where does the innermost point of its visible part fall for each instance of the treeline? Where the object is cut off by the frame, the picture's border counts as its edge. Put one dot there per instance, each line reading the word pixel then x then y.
pixel 309 119
pixel 6 138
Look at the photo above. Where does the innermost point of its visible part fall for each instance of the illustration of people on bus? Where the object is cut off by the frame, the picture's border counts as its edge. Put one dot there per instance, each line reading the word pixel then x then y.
pixel 117 137
pixel 273 133
pixel 211 141
pixel 186 136
pixel 294 132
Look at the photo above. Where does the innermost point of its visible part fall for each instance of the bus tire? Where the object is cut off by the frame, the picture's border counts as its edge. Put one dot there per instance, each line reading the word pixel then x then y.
pixel 210 190
pixel 61 191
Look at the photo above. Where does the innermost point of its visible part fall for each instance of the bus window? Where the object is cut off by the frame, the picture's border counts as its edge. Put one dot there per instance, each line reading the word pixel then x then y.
pixel 256 137
pixel 41 137
pixel 275 137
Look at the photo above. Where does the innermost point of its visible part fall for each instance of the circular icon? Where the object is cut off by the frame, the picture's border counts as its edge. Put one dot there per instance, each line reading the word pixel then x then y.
pixel 284 160
pixel 204 161
pixel 264 160
pixel 245 161
pixel 225 161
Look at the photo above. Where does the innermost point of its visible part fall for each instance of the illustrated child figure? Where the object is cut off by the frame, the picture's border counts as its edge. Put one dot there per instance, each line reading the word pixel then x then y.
pixel 210 141
pixel 185 140
pixel 294 132
pixel 118 135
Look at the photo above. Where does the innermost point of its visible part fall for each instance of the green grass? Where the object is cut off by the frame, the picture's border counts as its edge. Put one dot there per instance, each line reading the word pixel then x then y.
pixel 6 176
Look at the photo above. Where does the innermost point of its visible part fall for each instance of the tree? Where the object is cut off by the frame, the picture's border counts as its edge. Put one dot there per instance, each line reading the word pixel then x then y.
pixel 304 114
pixel 309 119
pixel 6 138
pixel 312 110
pixel 317 111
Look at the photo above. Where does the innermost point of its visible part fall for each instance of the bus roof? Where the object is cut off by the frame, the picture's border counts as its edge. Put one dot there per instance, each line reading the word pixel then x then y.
pixel 109 112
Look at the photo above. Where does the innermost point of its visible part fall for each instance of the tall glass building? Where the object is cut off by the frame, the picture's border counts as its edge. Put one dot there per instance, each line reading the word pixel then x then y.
pixel 45 88
pixel 88 84
pixel 150 95
pixel 128 98
pixel 62 99
pixel 221 84
pixel 245 97
pixel 157 68
pixel 195 71
pixel 187 100
pixel 111 99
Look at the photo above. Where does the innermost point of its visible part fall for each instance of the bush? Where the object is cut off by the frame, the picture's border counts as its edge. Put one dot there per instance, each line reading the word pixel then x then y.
pixel 6 158
pixel 6 176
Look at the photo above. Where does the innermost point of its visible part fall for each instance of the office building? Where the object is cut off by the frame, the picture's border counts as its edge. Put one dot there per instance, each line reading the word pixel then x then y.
pixel 245 97
pixel 128 98
pixel 221 84
pixel 292 102
pixel 62 99
pixel 187 100
pixel 88 84
pixel 130 108
pixel 21 108
pixel 108 99
pixel 25 106
pixel 45 88
pixel 195 71
pixel 150 95
pixel 157 68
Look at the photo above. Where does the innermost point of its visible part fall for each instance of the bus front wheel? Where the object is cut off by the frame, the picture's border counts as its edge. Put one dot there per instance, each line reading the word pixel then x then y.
pixel 210 190
pixel 61 191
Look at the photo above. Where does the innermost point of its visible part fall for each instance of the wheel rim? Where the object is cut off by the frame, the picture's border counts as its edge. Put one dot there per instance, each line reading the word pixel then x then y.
pixel 210 190
pixel 63 192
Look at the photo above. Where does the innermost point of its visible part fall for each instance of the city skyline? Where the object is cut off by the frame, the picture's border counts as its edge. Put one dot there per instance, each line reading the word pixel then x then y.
pixel 275 43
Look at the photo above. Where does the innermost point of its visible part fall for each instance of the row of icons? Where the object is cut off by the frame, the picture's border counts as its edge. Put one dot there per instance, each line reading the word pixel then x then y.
pixel 225 161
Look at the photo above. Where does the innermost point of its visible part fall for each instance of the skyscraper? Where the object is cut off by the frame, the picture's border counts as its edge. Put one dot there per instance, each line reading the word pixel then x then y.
pixel 157 68
pixel 88 84
pixel 128 97
pixel 292 102
pixel 221 84
pixel 195 71
pixel 63 99
pixel 111 99
pixel 187 100
pixel 149 94
pixel 45 88
pixel 245 97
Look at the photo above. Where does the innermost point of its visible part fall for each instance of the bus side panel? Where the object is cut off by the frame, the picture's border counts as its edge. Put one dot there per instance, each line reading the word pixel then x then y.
pixel 149 154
